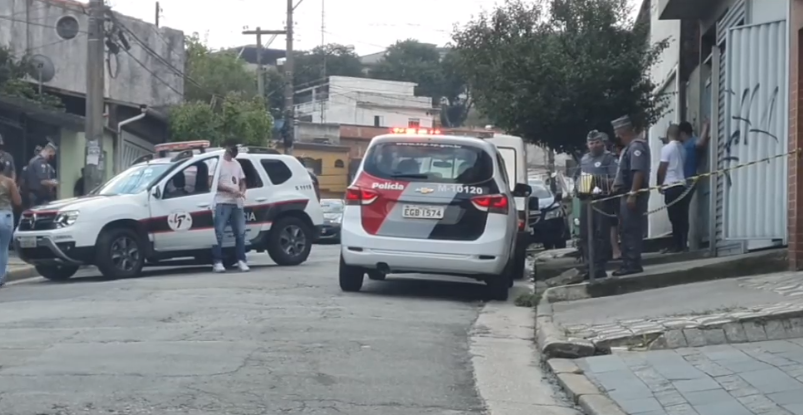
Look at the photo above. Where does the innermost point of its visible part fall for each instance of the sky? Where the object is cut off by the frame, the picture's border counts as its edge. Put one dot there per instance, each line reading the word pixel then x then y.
pixel 368 25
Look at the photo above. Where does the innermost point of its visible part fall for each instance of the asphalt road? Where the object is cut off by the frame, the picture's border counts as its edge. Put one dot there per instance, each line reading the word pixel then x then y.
pixel 272 341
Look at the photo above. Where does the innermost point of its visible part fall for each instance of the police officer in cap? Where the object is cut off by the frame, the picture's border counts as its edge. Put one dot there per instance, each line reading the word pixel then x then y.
pixel 633 175
pixel 602 166
pixel 7 166
pixel 40 177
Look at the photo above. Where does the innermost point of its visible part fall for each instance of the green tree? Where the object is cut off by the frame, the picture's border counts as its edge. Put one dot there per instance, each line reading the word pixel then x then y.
pixel 212 73
pixel 551 70
pixel 456 101
pixel 340 60
pixel 239 118
pixel 274 91
pixel 412 61
pixel 12 82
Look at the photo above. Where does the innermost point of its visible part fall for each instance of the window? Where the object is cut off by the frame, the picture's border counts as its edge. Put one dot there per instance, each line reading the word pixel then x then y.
pixel 134 180
pixel 278 172
pixel 430 162
pixel 413 123
pixel 252 179
pixel 305 118
pixel 67 27
pixel 540 191
pixel 509 155
pixel 192 180
pixel 378 120
pixel 339 164
pixel 503 169
pixel 313 165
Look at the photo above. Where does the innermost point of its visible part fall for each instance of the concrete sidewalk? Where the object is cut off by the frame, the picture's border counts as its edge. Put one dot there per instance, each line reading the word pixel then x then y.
pixel 761 378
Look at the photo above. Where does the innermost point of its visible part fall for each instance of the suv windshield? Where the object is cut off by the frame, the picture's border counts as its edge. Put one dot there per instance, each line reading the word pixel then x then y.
pixel 429 162
pixel 332 206
pixel 540 191
pixel 133 180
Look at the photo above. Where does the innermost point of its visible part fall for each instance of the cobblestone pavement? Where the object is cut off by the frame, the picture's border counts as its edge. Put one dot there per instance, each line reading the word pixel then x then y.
pixel 788 285
pixel 763 378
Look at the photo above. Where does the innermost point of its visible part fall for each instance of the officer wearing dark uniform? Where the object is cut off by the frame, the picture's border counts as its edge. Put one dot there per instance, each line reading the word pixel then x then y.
pixel 602 166
pixel 633 175
pixel 7 166
pixel 40 177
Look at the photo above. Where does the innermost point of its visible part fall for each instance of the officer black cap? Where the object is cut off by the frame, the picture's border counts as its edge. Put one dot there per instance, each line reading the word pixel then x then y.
pixel 595 135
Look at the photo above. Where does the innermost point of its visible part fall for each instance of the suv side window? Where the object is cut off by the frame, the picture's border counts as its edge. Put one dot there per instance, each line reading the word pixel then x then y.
pixel 278 172
pixel 252 179
pixel 502 167
pixel 191 180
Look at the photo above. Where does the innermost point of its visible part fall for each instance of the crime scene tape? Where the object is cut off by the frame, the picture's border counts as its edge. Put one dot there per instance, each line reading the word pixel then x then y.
pixel 700 176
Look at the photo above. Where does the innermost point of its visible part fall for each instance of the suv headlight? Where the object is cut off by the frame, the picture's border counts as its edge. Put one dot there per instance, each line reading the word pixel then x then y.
pixel 554 213
pixel 64 219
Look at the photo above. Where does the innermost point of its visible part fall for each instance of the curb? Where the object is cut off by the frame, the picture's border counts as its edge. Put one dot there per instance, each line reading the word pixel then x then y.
pixel 557 352
pixel 22 273
pixel 751 264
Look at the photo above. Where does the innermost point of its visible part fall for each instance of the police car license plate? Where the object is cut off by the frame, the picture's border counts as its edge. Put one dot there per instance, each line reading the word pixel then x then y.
pixel 27 242
pixel 422 212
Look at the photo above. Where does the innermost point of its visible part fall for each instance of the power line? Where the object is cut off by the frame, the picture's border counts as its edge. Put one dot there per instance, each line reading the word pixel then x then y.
pixel 167 84
pixel 9 18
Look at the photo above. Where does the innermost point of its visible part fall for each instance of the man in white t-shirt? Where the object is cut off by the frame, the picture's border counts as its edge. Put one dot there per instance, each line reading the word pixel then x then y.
pixel 670 175
pixel 229 202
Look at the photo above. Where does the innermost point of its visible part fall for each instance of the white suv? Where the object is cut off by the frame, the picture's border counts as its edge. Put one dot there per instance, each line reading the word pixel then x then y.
pixel 161 209
pixel 435 204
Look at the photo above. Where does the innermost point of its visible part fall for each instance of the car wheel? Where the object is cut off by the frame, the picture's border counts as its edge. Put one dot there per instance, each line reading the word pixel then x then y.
pixel 57 272
pixel 351 278
pixel 119 253
pixel 499 285
pixel 290 241
pixel 377 275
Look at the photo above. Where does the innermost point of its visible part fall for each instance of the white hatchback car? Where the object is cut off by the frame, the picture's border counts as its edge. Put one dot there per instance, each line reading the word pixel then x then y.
pixel 437 204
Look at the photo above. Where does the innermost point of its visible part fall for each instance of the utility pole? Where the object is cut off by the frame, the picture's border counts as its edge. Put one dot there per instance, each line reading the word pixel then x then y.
pixel 158 11
pixel 289 111
pixel 95 74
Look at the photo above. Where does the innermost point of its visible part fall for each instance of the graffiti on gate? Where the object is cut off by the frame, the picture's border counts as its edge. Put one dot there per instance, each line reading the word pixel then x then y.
pixel 745 129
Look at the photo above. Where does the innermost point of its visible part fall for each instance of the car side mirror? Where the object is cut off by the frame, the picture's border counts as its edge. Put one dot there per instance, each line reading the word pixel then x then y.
pixel 533 203
pixel 558 196
pixel 156 192
pixel 522 190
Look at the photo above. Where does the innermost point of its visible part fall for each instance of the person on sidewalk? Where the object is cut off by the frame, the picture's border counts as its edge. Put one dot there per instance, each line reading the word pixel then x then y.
pixel 632 176
pixel 671 175
pixel 9 198
pixel 602 166
pixel 7 166
pixel 695 149
pixel 229 209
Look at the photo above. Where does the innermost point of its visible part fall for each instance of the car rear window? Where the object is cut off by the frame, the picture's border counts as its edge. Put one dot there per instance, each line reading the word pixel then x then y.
pixel 429 162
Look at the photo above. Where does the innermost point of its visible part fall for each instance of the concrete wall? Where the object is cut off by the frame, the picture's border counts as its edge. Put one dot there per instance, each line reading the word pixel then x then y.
pixel 359 101
pixel 72 148
pixel 660 30
pixel 309 132
pixel 133 84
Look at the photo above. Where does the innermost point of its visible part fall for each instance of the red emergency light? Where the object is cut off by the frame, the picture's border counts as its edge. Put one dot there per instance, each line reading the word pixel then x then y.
pixel 421 131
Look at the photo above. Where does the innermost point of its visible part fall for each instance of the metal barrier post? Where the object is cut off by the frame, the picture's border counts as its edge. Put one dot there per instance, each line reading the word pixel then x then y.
pixel 590 239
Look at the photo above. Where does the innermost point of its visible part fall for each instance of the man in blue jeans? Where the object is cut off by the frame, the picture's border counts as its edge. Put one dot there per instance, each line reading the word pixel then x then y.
pixel 229 202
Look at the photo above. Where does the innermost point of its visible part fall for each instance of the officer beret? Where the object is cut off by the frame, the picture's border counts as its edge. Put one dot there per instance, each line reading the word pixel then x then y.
pixel 595 135
pixel 622 122
pixel 52 145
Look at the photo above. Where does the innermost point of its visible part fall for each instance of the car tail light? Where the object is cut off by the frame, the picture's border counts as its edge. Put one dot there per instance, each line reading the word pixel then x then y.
pixel 491 203
pixel 521 224
pixel 359 196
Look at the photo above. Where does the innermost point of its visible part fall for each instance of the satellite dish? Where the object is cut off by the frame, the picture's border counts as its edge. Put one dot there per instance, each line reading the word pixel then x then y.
pixel 42 68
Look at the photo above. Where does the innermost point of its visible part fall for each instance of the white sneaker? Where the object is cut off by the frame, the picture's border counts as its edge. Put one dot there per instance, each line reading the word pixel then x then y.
pixel 218 267
pixel 243 266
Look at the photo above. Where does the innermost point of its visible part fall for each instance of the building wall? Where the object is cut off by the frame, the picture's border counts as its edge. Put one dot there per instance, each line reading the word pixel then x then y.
pixel 360 101
pixel 309 132
pixel 69 56
pixel 72 147
pixel 331 167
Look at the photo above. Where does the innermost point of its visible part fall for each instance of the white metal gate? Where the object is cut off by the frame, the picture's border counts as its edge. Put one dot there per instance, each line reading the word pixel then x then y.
pixel 755 198
pixel 133 148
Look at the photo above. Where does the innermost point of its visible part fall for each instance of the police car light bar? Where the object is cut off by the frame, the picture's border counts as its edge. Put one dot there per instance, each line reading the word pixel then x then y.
pixel 164 148
pixel 421 131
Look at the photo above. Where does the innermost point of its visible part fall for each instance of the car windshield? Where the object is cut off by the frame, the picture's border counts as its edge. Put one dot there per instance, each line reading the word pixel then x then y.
pixel 133 180
pixel 332 206
pixel 429 162
pixel 540 191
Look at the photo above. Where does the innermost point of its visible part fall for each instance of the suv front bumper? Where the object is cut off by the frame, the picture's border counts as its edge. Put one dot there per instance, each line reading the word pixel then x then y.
pixel 50 251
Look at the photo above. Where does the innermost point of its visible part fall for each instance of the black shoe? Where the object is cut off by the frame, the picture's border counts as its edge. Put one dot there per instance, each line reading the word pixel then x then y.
pixel 627 271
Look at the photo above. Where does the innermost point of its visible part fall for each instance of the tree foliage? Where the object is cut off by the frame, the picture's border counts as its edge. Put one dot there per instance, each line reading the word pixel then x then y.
pixel 340 60
pixel 13 72
pixel 221 100
pixel 210 73
pixel 551 70
pixel 239 118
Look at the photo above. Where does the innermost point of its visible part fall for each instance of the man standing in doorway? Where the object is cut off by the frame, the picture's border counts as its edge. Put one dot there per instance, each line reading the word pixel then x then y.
pixel 695 148
pixel 633 176
pixel 229 208
pixel 671 174
pixel 40 177
pixel 602 166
